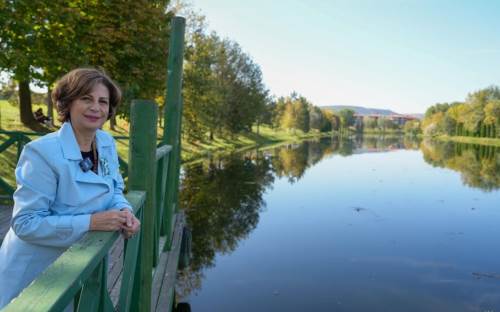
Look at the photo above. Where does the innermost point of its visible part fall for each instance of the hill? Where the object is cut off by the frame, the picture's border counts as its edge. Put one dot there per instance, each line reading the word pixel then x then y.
pixel 361 110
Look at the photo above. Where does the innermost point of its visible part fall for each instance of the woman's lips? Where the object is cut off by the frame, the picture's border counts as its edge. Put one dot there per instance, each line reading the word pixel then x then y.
pixel 92 118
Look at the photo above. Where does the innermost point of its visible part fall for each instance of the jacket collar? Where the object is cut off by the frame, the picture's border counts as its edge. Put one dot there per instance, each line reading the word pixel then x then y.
pixel 70 147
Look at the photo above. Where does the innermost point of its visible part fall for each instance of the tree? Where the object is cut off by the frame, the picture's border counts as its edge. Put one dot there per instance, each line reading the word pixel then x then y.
pixel 288 117
pixel 129 40
pixel 301 112
pixel 492 117
pixel 438 107
pixel 412 127
pixel 431 126
pixel 202 101
pixel 448 124
pixel 277 112
pixel 370 122
pixel 346 118
pixel 41 40
pixel 18 35
pixel 315 118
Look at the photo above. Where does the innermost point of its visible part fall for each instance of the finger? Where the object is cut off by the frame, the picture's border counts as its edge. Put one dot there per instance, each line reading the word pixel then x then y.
pixel 127 215
pixel 121 219
pixel 137 222
pixel 129 219
pixel 124 227
pixel 136 227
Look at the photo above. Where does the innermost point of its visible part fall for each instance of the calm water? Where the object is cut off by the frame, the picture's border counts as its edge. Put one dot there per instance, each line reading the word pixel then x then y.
pixel 364 225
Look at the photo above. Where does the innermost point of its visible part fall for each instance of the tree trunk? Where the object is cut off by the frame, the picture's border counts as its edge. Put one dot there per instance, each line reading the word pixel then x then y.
pixel 25 110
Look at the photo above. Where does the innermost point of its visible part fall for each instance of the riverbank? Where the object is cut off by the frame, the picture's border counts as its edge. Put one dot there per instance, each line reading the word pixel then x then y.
pixel 470 140
pixel 384 133
pixel 191 149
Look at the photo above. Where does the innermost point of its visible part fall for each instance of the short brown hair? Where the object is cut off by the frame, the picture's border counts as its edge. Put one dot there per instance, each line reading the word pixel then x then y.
pixel 79 82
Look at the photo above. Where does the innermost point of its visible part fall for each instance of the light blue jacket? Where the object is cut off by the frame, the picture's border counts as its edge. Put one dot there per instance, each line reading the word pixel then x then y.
pixel 53 203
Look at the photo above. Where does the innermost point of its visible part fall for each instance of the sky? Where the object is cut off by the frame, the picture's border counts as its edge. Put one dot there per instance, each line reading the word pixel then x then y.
pixel 402 55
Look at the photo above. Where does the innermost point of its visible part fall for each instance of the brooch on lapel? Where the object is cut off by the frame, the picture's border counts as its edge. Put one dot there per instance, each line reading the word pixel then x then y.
pixel 104 166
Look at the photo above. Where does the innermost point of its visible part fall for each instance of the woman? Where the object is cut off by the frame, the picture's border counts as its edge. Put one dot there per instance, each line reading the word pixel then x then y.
pixel 68 183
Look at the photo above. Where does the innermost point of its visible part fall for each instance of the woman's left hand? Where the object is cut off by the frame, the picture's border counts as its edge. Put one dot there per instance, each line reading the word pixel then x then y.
pixel 132 225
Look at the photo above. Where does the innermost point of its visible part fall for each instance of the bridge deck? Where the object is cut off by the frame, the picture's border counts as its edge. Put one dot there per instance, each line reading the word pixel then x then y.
pixel 162 294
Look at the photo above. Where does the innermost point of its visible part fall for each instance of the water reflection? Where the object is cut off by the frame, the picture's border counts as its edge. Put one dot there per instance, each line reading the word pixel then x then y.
pixel 479 165
pixel 292 160
pixel 223 196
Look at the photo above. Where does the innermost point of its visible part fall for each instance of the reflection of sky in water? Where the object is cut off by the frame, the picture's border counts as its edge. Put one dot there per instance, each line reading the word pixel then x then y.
pixel 368 232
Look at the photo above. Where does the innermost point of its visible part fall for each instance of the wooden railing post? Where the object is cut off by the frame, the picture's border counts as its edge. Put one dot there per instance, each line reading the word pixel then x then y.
pixel 142 176
pixel 171 134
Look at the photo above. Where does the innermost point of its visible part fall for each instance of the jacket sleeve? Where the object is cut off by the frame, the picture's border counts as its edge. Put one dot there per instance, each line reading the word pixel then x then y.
pixel 32 219
pixel 118 201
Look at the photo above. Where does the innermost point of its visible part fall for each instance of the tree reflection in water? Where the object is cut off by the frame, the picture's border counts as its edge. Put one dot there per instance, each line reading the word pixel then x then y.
pixel 479 165
pixel 223 196
pixel 222 199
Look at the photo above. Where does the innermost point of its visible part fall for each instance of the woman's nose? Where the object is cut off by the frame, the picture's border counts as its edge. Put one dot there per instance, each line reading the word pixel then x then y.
pixel 94 106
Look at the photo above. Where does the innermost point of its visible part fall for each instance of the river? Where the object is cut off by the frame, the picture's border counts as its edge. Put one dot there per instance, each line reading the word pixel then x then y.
pixel 368 224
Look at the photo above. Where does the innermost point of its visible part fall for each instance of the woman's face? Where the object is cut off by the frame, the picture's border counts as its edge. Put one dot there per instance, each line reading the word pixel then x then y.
pixel 90 112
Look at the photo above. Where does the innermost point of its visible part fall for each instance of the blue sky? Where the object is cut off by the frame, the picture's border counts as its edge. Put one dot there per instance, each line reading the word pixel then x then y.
pixel 402 55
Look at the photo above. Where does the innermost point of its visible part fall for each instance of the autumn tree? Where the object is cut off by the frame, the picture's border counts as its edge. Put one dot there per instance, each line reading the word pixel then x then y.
pixel 42 40
pixel 346 118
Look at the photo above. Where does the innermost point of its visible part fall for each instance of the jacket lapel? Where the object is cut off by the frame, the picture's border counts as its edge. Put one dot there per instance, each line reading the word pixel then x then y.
pixel 104 144
pixel 71 151
pixel 69 145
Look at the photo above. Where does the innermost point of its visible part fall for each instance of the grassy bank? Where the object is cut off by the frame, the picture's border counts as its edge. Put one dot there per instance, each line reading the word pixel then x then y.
pixel 191 150
pixel 380 132
pixel 470 140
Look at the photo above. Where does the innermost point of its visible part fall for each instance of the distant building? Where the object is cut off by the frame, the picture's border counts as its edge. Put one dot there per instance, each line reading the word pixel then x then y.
pixel 398 119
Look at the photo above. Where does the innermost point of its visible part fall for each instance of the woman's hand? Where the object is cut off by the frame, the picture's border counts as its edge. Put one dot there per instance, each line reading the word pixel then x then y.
pixel 112 220
pixel 132 225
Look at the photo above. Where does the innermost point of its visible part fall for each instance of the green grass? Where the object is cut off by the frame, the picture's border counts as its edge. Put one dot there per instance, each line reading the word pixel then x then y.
pixel 470 140
pixel 383 132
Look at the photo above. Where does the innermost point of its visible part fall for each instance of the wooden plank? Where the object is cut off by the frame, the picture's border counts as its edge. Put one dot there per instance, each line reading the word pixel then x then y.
pixel 167 293
pixel 131 272
pixel 115 267
pixel 115 260
pixel 142 176
pixel 90 295
pixel 173 116
pixel 162 151
pixel 158 274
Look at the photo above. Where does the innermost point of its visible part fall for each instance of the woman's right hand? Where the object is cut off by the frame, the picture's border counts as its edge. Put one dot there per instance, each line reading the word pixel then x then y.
pixel 111 220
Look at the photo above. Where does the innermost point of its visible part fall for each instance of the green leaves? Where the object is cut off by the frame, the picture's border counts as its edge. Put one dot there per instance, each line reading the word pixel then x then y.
pixel 223 88
pixel 479 115
pixel 42 40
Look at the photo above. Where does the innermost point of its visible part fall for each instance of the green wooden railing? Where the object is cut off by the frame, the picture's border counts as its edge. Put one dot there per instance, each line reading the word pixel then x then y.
pixel 79 275
pixel 18 139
